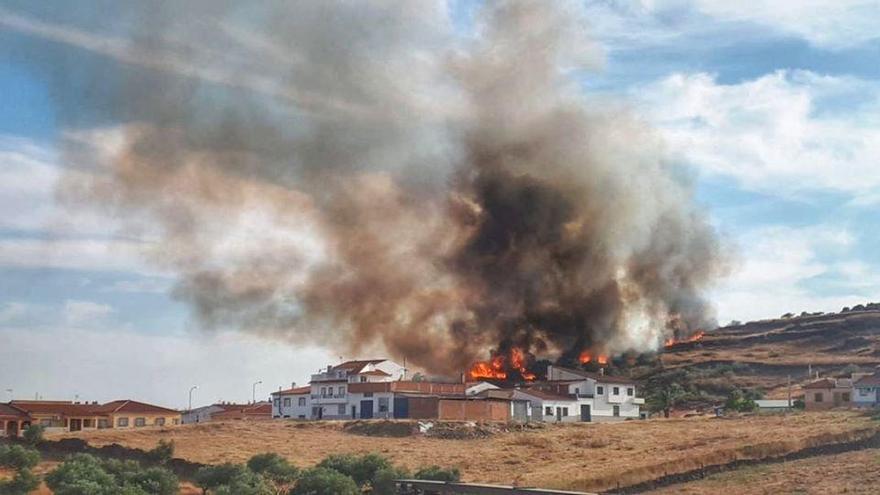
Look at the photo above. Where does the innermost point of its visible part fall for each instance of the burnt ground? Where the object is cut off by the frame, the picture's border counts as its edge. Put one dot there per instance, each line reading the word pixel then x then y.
pixel 765 354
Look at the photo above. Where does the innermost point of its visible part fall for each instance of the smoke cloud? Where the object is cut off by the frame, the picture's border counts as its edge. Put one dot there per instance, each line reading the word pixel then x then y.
pixel 364 176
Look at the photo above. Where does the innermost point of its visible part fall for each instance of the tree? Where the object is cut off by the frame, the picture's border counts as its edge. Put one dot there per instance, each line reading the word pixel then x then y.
pixel 323 481
pixel 17 457
pixel 33 434
pixel 162 453
pixel 246 483
pixel 81 474
pixel 211 477
pixel 665 398
pixel 362 469
pixel 274 469
pixel 23 483
pixel 436 473
pixel 741 401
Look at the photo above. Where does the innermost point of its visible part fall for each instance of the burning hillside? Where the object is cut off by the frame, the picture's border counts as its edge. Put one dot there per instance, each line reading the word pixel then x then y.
pixel 357 174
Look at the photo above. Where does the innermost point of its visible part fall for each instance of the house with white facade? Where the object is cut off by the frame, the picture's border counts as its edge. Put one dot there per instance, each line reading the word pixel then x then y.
pixel 599 397
pixel 550 407
pixel 866 390
pixel 291 403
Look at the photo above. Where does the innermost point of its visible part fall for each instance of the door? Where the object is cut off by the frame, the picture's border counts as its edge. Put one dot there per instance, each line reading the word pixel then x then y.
pixel 520 411
pixel 12 428
pixel 616 411
pixel 75 424
pixel 401 407
pixel 558 414
pixel 586 414
pixel 353 412
pixel 366 409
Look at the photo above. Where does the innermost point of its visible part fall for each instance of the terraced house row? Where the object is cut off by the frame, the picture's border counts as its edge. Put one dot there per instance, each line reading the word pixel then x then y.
pixel 17 415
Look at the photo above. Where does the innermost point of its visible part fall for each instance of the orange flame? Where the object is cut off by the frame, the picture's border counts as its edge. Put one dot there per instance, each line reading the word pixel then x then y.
pixel 693 338
pixel 587 357
pixel 495 369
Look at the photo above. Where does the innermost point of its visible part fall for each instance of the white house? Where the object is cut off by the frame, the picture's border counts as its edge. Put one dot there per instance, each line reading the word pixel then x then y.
pixel 600 397
pixel 550 407
pixel 329 395
pixel 867 390
pixel 291 403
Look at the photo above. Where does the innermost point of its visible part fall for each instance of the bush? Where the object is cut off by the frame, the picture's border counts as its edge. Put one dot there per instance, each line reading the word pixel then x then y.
pixel 83 474
pixel 275 469
pixel 162 453
pixel 211 477
pixel 324 481
pixel 246 483
pixel 33 434
pixel 436 473
pixel 384 481
pixel 17 457
pixel 132 476
pixel 23 483
pixel 740 401
pixel 362 469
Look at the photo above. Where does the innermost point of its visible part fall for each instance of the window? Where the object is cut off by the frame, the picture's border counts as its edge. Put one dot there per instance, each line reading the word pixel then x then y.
pixel 140 421
pixel 565 411
pixel 577 391
pixel 363 379
pixel 287 402
pixel 383 404
pixel 301 401
pixel 103 423
pixel 846 397
pixel 600 390
pixel 175 421
pixel 616 390
pixel 87 423
pixel 548 411
pixel 45 422
pixel 323 391
pixel 341 410
pixel 277 401
pixel 630 391
pixel 616 411
pixel 341 391
pixel 367 395
pixel 160 422
pixel 818 397
pixel 121 422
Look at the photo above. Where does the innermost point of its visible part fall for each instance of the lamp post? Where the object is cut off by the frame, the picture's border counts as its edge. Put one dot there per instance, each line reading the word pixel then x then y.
pixel 254 391
pixel 191 396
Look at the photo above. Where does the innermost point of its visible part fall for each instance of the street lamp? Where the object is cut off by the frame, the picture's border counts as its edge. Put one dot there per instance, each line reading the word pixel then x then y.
pixel 191 396
pixel 254 391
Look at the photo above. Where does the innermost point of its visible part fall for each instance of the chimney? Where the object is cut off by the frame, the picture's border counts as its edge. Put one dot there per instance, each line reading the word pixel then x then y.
pixel 549 372
pixel 292 384
pixel 601 371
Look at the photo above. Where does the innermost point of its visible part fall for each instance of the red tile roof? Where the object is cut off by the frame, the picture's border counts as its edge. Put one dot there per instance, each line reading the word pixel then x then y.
pixel 66 408
pixel 869 381
pixel 7 411
pixel 134 407
pixel 293 391
pixel 356 366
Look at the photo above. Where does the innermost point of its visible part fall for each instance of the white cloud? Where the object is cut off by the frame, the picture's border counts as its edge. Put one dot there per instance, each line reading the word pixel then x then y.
pixel 777 263
pixel 12 311
pixel 830 24
pixel 74 254
pixel 158 368
pixel 771 133
pixel 78 313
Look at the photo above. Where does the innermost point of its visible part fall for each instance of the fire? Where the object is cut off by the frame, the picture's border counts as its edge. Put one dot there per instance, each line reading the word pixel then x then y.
pixel 693 338
pixel 587 357
pixel 495 369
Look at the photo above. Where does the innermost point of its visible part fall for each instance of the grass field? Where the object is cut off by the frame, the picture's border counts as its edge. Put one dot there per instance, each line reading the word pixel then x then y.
pixel 575 456
pixel 852 473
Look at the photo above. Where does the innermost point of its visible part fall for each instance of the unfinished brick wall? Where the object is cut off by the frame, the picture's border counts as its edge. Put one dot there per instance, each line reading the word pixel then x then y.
pixel 474 410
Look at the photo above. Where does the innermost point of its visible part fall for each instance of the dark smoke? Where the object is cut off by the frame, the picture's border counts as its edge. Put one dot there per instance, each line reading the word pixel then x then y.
pixel 359 174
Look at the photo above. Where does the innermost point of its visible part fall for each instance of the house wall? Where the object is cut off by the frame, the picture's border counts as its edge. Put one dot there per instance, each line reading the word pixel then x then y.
pixel 199 415
pixel 866 396
pixel 603 404
pixel 473 410
pixel 354 400
pixel 150 419
pixel 293 410
pixel 424 407
pixel 830 398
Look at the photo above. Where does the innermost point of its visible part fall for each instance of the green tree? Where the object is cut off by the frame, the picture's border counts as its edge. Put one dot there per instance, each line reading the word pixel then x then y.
pixel 665 398
pixel 246 483
pixel 163 452
pixel 17 457
pixel 23 483
pixel 81 474
pixel 324 481
pixel 33 434
pixel 211 477
pixel 383 482
pixel 741 401
pixel 361 469
pixel 436 473
pixel 274 469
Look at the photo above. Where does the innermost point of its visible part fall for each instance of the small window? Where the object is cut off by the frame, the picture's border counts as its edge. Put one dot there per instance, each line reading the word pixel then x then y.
pixel 367 395
pixel 341 410
pixel 123 422
pixel 341 391
pixel 363 379
pixel 140 421
pixel 103 423
pixel 160 422
pixel 287 402
pixel 302 401
pixel 577 391
pixel 863 392
pixel 175 421
pixel 616 390
pixel 600 390
pixel 383 404
pixel 277 401
pixel 616 411
pixel 818 397
pixel 45 422
pixel 548 411
pixel 565 411
pixel 846 397
pixel 323 391
pixel 87 423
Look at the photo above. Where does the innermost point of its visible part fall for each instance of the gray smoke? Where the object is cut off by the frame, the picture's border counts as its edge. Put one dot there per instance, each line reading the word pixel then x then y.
pixel 360 174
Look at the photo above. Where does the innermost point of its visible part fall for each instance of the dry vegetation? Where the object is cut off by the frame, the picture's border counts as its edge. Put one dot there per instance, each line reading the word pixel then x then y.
pixel 852 473
pixel 576 456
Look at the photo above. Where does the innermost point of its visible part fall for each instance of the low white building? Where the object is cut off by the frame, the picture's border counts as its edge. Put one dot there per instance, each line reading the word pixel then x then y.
pixel 866 390
pixel 550 407
pixel 291 403
pixel 600 397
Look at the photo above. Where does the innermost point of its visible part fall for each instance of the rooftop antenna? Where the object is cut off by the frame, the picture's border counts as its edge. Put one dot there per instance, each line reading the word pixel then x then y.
pixel 404 367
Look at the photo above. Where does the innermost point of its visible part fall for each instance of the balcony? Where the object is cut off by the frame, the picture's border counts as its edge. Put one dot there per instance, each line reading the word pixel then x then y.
pixel 639 401
pixel 329 398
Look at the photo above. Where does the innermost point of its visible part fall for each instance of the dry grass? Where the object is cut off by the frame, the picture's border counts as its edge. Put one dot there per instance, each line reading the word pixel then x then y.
pixel 853 472
pixel 575 456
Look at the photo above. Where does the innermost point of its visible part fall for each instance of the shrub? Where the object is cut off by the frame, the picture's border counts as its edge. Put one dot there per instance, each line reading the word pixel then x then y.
pixel 275 469
pixel 740 401
pixel 246 483
pixel 23 483
pixel 323 481
pixel 132 476
pixel 361 469
pixel 33 434
pixel 210 477
pixel 81 474
pixel 162 453
pixel 436 473
pixel 17 457
pixel 383 481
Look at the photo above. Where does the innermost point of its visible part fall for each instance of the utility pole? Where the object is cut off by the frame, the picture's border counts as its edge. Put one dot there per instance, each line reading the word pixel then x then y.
pixel 254 391
pixel 191 397
pixel 789 393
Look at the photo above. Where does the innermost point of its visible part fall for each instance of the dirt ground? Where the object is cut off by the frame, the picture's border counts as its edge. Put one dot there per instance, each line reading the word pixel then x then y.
pixel 574 456
pixel 853 473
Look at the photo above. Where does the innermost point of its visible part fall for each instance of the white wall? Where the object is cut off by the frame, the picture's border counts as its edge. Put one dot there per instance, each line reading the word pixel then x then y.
pixel 868 399
pixel 293 410
pixel 603 404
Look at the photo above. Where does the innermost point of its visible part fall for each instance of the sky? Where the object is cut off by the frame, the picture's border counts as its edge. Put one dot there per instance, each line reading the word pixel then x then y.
pixel 773 107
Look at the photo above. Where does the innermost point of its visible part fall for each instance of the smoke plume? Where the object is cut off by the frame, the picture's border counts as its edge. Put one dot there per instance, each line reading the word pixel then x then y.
pixel 367 175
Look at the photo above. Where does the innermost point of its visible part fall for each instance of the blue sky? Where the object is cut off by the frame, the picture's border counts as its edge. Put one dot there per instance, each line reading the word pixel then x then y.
pixel 773 106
